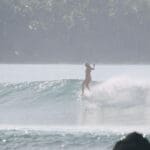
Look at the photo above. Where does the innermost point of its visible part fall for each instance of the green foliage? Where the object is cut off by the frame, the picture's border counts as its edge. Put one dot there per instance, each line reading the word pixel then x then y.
pixel 42 13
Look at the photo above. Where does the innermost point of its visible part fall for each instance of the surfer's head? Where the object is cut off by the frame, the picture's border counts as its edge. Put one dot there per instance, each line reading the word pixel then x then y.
pixel 87 65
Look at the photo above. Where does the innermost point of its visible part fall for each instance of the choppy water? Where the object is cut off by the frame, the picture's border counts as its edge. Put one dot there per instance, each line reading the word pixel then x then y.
pixel 53 115
pixel 33 140
pixel 58 140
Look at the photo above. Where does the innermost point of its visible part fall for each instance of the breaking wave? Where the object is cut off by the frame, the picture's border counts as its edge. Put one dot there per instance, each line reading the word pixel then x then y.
pixel 117 91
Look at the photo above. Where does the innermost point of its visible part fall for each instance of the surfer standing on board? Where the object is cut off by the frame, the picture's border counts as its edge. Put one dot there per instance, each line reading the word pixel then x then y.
pixel 88 78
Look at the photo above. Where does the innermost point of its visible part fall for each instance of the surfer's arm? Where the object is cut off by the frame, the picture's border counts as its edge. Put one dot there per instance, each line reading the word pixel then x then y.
pixel 92 68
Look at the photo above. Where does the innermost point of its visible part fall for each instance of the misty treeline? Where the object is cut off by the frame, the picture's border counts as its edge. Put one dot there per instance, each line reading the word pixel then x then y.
pixel 74 31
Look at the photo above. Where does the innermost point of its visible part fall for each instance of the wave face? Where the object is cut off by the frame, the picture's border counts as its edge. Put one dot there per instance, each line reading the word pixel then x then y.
pixel 38 92
pixel 110 91
pixel 60 102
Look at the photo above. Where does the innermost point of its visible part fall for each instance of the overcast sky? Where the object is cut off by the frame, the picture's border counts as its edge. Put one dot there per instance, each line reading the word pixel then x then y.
pixel 75 31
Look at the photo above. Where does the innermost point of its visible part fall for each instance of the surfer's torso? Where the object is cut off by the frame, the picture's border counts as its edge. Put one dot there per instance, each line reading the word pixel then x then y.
pixel 88 74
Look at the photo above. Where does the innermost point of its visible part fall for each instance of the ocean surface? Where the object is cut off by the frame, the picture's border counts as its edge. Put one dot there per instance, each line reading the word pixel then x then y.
pixel 41 107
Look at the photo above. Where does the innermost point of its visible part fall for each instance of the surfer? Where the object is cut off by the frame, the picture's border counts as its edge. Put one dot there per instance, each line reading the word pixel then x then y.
pixel 88 78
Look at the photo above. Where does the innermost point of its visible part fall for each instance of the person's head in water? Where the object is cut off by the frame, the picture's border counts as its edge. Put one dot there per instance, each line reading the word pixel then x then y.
pixel 133 141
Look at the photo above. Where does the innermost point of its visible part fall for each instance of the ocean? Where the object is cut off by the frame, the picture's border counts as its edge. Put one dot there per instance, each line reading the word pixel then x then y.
pixel 41 107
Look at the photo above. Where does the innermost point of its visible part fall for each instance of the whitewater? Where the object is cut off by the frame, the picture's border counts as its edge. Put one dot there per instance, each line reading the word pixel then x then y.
pixel 41 106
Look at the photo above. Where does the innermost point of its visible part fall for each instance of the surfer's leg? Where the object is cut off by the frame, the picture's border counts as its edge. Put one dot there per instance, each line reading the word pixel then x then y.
pixel 87 85
pixel 83 84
